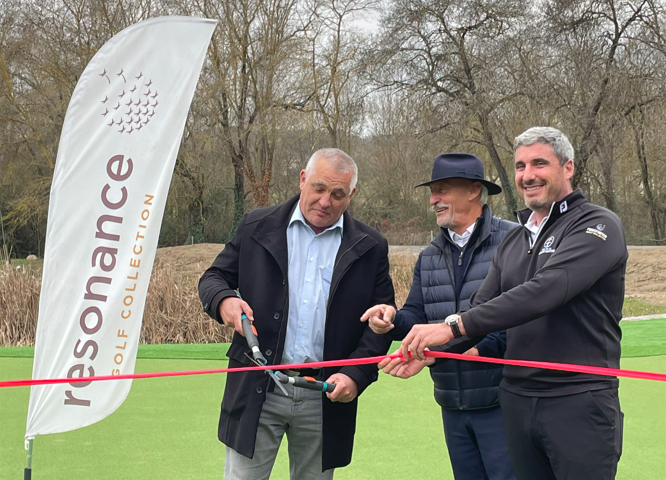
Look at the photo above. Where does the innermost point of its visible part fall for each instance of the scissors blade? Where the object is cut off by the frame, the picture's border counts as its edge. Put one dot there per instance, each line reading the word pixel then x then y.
pixel 271 374
pixel 277 382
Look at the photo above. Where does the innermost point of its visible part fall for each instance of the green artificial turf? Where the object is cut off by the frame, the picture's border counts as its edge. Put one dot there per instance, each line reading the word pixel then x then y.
pixel 644 338
pixel 166 429
pixel 639 339
pixel 644 410
pixel 198 351
pixel 201 351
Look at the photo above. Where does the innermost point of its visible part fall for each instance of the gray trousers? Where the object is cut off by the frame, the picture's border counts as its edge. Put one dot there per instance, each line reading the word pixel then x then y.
pixel 299 416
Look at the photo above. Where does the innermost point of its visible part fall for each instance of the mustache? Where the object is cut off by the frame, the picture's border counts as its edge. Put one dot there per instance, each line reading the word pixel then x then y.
pixel 440 205
pixel 529 183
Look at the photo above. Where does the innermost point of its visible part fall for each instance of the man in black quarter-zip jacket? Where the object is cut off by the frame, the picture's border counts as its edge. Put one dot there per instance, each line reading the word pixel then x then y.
pixel 446 275
pixel 307 271
pixel 557 286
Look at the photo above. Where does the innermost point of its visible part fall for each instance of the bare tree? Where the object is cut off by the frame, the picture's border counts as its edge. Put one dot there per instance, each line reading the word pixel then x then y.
pixel 456 51
pixel 45 48
pixel 334 62
pixel 589 36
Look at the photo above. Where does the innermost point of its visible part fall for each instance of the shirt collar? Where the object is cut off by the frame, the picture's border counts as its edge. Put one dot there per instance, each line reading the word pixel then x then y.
pixel 464 238
pixel 531 223
pixel 532 226
pixel 297 216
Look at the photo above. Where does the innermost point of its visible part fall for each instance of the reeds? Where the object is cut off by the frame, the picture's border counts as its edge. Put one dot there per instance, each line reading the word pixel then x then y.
pixel 402 272
pixel 173 312
pixel 19 305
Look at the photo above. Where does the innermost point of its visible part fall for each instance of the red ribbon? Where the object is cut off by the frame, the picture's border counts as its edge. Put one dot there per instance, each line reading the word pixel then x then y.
pixel 613 372
pixel 566 367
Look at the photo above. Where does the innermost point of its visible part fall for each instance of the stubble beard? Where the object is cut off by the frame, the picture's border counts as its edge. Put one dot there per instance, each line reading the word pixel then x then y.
pixel 538 205
pixel 448 219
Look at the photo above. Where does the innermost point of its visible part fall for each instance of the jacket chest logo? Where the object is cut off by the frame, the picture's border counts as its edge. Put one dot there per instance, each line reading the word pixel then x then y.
pixel 547 246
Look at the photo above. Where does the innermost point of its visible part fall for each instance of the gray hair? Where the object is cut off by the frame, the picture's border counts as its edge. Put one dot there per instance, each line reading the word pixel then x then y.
pixel 336 158
pixel 547 136
pixel 484 195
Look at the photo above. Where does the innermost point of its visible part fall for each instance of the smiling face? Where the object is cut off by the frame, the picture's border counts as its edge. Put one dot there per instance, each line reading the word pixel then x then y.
pixel 540 177
pixel 325 195
pixel 456 203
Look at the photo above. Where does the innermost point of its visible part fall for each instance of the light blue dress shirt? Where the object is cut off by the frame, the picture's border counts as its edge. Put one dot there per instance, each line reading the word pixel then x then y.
pixel 311 261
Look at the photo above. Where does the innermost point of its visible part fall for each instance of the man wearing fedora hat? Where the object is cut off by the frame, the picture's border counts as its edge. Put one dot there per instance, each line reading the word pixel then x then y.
pixel 556 285
pixel 446 275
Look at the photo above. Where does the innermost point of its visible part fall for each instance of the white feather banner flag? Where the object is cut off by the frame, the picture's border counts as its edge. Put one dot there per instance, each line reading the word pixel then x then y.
pixel 115 160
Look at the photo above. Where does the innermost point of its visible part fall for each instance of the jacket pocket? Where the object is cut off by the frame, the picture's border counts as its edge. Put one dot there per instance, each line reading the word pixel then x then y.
pixel 237 386
pixel 237 352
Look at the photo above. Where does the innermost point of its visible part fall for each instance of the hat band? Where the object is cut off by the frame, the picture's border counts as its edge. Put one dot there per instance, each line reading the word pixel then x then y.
pixel 467 173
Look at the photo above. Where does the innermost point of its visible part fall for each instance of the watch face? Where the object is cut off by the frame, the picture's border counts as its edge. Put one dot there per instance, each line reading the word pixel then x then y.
pixel 452 319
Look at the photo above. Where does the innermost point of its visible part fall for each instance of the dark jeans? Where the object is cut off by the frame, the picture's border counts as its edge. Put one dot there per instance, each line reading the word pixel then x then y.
pixel 573 437
pixel 477 444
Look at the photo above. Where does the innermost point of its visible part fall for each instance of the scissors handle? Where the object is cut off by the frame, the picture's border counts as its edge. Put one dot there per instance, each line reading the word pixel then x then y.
pixel 252 341
pixel 312 384
pixel 251 337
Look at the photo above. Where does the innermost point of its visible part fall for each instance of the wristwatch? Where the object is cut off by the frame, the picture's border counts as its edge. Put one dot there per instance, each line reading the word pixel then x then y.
pixel 452 321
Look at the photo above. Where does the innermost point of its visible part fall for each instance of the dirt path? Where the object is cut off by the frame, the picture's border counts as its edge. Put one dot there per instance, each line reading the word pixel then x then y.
pixel 646 274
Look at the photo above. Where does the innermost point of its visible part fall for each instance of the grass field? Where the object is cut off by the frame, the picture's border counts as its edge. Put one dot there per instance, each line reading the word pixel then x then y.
pixel 636 308
pixel 166 429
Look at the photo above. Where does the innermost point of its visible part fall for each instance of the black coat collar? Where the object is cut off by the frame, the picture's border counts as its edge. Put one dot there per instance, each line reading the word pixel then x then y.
pixel 271 233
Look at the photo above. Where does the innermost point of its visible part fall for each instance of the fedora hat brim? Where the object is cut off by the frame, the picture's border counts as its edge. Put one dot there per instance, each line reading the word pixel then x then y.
pixel 493 188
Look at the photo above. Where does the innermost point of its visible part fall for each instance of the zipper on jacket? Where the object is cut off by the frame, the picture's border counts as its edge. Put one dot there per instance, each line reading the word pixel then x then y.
pixel 462 250
pixel 538 234
pixel 452 274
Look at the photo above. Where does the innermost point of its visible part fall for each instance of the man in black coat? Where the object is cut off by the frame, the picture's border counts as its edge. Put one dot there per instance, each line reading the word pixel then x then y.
pixel 446 275
pixel 306 271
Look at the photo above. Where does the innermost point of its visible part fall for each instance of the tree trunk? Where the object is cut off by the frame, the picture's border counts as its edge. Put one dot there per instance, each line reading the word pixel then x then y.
pixel 195 207
pixel 639 135
pixel 260 186
pixel 608 191
pixel 507 188
pixel 239 193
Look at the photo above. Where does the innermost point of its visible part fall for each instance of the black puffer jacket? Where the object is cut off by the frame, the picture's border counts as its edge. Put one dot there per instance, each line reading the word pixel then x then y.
pixel 459 385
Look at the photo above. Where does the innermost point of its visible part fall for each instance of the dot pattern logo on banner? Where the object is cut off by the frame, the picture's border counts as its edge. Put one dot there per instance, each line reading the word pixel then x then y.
pixel 130 104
